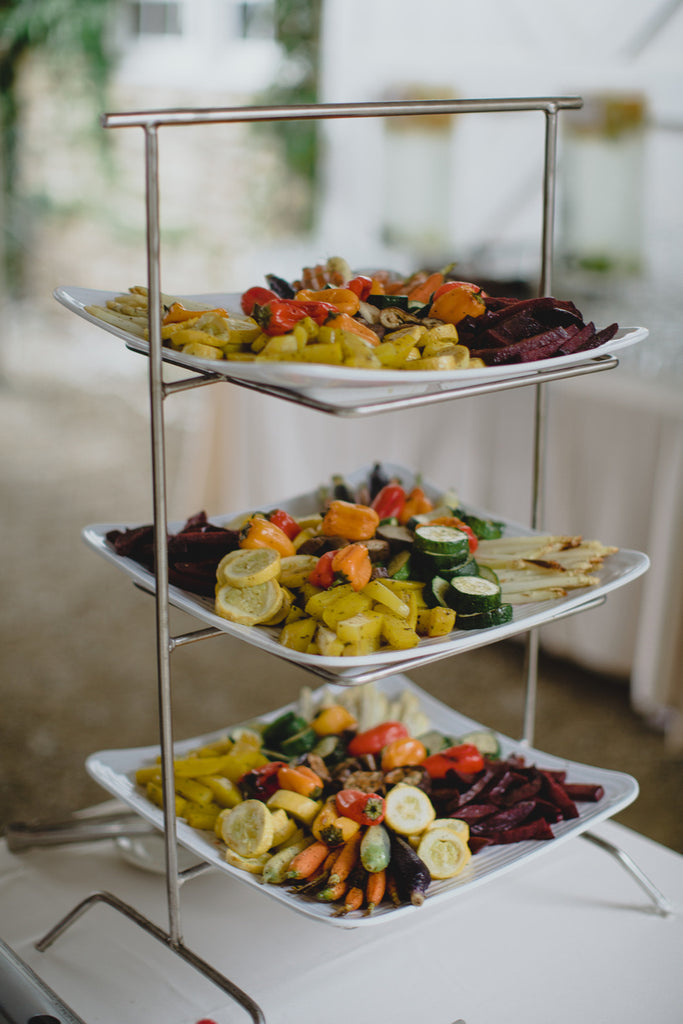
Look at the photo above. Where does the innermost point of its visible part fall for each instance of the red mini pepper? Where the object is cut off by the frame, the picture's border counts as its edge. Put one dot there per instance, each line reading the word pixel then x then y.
pixel 361 285
pixel 287 523
pixel 279 316
pixel 365 808
pixel 372 740
pixel 390 501
pixel 464 758
pixel 261 783
pixel 323 573
pixel 256 297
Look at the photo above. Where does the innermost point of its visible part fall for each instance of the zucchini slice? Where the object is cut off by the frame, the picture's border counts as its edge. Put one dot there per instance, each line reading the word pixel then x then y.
pixel 472 594
pixel 443 540
pixel 484 529
pixel 486 742
pixel 436 592
pixel 484 620
pixel 467 568
pixel 399 566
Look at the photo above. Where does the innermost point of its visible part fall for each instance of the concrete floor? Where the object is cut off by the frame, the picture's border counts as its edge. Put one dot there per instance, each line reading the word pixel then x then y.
pixel 78 653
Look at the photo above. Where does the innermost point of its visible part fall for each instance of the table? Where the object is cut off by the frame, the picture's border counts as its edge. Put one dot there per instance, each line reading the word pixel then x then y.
pixel 568 937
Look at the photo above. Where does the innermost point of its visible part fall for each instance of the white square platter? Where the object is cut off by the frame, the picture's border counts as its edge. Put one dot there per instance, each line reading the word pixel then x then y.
pixel 343 385
pixel 617 570
pixel 115 771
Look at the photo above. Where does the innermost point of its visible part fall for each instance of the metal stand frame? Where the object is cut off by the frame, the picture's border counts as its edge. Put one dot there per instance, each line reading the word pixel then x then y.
pixel 150 122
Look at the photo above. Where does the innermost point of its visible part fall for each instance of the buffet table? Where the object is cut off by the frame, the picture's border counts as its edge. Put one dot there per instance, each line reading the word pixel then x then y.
pixel 568 937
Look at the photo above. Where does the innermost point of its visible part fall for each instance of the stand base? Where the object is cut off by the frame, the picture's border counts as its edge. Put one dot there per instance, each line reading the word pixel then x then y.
pixel 191 958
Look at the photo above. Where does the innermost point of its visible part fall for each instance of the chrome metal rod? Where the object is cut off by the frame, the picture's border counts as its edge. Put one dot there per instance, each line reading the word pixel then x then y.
pixel 327 111
pixel 427 398
pixel 156 396
pixel 248 1004
pixel 540 408
pixel 660 902
pixel 194 636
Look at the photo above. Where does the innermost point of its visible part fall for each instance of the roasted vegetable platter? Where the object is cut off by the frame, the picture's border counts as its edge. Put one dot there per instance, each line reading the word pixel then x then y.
pixel 117 771
pixel 619 568
pixel 330 383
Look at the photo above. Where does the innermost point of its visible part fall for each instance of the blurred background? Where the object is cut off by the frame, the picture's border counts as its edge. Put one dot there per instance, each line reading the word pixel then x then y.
pixel 239 201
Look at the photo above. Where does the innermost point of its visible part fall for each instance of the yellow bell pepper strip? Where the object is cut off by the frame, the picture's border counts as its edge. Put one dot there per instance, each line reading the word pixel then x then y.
pixel 177 313
pixel 344 299
pixel 456 300
pixel 262 533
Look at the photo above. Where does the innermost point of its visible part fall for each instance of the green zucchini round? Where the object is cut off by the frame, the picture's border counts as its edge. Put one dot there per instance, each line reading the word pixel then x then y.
pixel 472 594
pixel 485 620
pixel 442 540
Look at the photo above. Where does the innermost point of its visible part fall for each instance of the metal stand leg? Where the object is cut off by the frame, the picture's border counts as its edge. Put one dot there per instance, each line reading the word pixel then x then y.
pixel 177 946
pixel 660 902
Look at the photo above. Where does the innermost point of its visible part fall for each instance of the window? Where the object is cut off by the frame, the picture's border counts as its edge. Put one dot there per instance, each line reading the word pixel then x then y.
pixel 155 19
pixel 256 19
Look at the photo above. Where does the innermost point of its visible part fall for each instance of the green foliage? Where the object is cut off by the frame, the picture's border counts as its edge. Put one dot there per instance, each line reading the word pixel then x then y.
pixel 297 26
pixel 64 31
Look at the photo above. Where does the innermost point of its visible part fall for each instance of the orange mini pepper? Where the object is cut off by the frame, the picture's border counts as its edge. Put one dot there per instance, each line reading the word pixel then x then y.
pixel 352 565
pixel 402 752
pixel 262 533
pixel 452 304
pixel 177 313
pixel 344 322
pixel 416 504
pixel 345 300
pixel 300 779
pixel 350 520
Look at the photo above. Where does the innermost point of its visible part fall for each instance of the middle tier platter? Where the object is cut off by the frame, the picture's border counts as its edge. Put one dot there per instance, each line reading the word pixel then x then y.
pixel 619 567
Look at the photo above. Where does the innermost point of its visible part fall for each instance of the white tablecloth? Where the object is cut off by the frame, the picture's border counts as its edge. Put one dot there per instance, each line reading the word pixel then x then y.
pixel 569 937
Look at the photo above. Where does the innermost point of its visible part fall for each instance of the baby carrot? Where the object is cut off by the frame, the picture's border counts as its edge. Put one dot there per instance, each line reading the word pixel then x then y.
pixel 305 863
pixel 375 888
pixel 332 893
pixel 354 898
pixel 346 860
pixel 421 292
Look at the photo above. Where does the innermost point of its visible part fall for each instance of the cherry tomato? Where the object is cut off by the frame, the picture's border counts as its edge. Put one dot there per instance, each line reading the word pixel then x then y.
pixel 373 740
